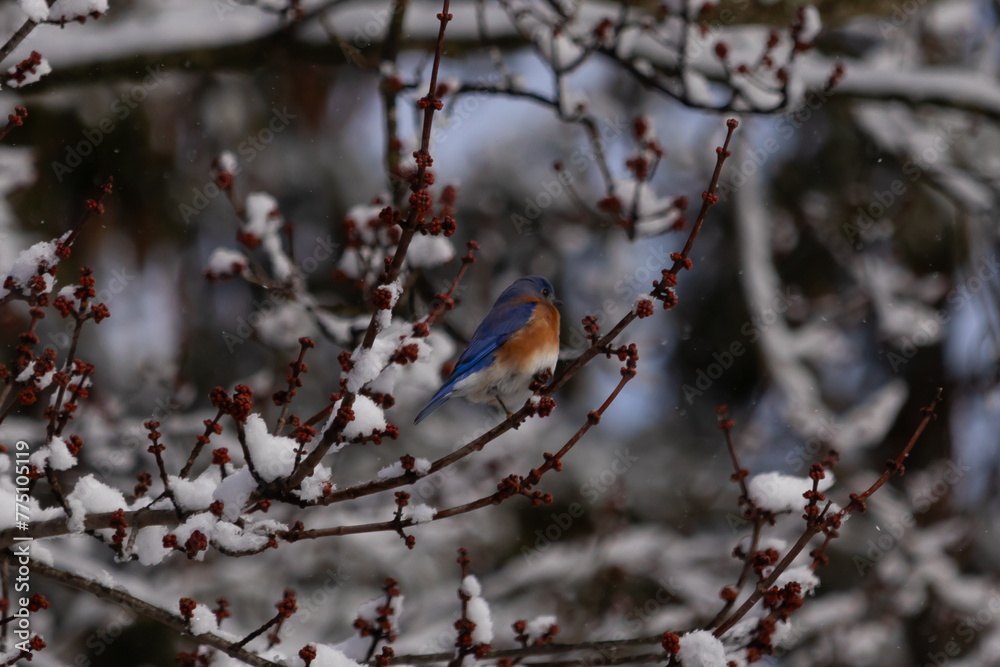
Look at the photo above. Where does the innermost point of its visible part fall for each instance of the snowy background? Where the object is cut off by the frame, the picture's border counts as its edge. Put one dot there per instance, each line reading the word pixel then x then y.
pixel 849 270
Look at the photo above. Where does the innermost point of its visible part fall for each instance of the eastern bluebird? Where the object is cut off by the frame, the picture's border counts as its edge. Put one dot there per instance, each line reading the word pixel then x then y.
pixel 516 341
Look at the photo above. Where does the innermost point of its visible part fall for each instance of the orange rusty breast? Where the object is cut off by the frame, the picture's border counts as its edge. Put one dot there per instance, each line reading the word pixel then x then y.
pixel 537 339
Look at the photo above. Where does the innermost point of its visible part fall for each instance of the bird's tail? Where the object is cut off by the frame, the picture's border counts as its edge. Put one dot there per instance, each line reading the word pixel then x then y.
pixel 444 393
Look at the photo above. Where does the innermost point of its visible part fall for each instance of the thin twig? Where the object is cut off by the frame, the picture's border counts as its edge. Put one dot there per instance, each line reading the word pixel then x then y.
pixel 202 441
pixel 751 511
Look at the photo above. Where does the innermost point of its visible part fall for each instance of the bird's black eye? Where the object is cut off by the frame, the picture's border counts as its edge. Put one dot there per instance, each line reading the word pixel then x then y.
pixel 546 292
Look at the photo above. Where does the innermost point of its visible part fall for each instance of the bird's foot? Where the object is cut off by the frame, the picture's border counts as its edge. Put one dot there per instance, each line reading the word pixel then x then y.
pixel 510 415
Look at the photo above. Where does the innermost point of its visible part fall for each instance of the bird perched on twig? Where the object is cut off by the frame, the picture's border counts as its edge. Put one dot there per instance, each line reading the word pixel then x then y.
pixel 518 339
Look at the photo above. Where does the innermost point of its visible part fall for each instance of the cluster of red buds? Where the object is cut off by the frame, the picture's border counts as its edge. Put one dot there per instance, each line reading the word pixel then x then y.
pixel 297 367
pixel 345 415
pixel 465 642
pixel 520 628
pixel 523 486
pixel 384 657
pixel 221 611
pixel 382 628
pixel 761 560
pixel 444 222
pixel 77 390
pixel 671 643
pixel 610 204
pixel 35 291
pixel 402 499
pixel 242 403
pixel 74 444
pixel 286 606
pixel 220 400
pixel 727 424
pixel 545 406
pixel 21 70
pixel 212 427
pixel 119 523
pixel 144 481
pixel 406 354
pixel 308 653
pixel 217 508
pixel 35 644
pixel 382 298
pixel 814 496
pixel 82 309
pixel 154 436
pixel 626 353
pixel 344 359
pixel 304 434
pixel 43 364
pixel 262 505
pixel 782 602
pixel 592 329
pixel 187 607
pixel 649 151
pixel 37 602
pixel 420 200
pixel 16 119
pixel 375 437
pixel 195 543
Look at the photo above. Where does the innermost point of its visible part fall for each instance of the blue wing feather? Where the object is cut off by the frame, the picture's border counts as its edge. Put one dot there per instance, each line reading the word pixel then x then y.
pixel 501 323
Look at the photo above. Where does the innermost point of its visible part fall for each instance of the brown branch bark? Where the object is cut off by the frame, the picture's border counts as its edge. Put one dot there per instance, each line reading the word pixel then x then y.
pixel 162 616
pixel 606 653
pixel 390 52
pixel 15 40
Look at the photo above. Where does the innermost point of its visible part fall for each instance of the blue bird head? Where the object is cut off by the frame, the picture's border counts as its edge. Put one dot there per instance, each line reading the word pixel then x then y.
pixel 532 286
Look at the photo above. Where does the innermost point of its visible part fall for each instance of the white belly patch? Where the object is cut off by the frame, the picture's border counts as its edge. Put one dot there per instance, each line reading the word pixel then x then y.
pixel 493 383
